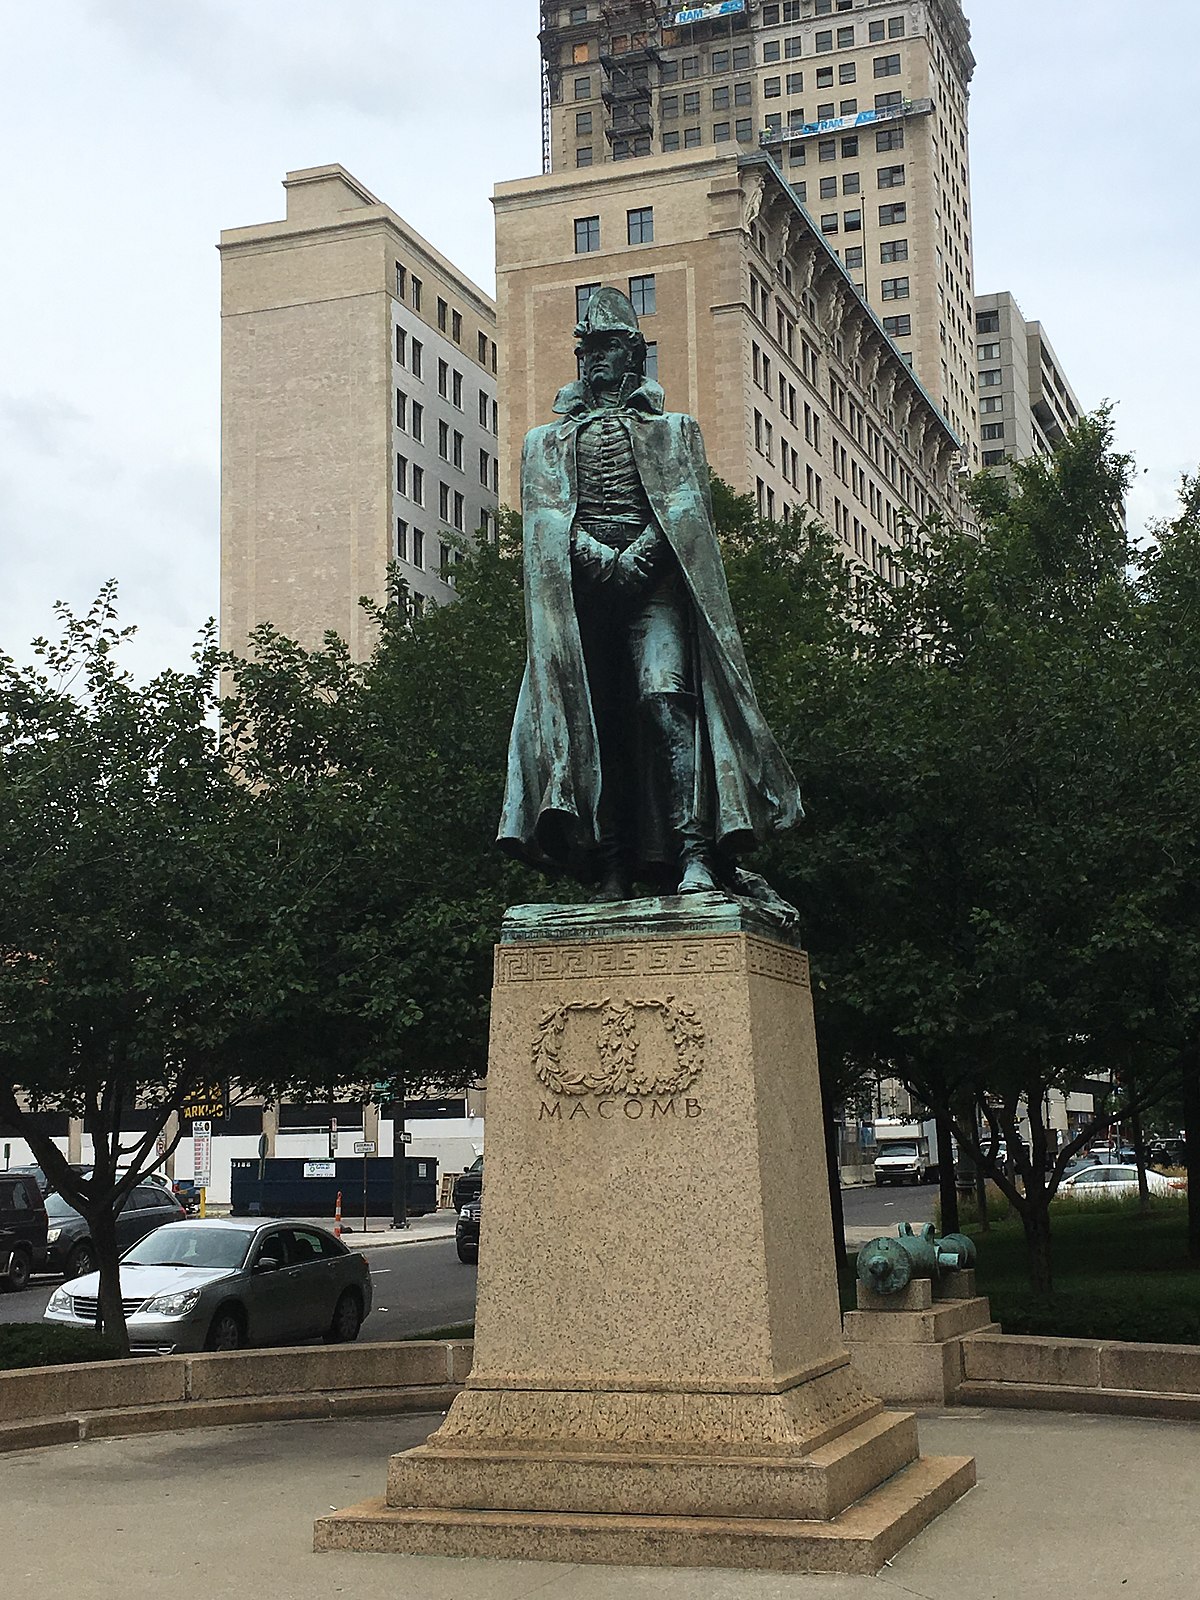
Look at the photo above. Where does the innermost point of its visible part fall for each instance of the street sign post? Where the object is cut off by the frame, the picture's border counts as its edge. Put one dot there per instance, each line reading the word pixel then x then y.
pixel 364 1148
pixel 332 1137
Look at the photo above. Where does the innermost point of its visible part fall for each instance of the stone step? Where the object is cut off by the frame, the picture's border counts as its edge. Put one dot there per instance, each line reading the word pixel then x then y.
pixel 858 1540
pixel 608 1482
pixel 1069 1397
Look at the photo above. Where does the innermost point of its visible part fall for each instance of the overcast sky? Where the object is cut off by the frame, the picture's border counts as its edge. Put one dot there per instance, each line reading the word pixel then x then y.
pixel 137 129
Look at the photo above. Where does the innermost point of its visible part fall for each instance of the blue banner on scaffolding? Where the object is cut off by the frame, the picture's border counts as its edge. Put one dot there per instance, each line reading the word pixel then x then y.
pixel 723 8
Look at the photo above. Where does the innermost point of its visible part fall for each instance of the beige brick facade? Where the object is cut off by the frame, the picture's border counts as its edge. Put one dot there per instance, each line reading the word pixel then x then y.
pixel 1025 403
pixel 316 412
pixel 757 332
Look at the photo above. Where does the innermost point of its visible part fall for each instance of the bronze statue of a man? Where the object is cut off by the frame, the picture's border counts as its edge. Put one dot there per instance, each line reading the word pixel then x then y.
pixel 638 750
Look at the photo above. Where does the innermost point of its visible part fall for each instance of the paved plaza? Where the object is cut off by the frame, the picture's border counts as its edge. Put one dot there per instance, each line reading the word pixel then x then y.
pixel 1070 1507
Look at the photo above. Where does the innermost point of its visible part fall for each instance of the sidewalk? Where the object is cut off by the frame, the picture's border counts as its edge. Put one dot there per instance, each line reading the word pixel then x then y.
pixel 1078 1508
pixel 437 1225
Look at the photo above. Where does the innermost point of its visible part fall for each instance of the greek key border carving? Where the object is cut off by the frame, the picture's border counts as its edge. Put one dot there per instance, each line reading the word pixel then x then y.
pixel 709 956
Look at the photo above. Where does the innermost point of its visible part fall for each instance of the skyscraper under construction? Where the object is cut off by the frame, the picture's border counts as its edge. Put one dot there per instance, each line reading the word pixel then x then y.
pixel 861 103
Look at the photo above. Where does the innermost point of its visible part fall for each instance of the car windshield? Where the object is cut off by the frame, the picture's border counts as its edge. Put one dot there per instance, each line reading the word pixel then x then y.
pixel 897 1149
pixel 181 1246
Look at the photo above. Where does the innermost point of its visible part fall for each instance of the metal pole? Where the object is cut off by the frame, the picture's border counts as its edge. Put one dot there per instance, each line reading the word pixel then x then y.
pixel 364 1191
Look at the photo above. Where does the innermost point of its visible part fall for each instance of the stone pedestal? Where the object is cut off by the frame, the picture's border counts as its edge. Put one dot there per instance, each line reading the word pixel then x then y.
pixel 908 1348
pixel 660 1375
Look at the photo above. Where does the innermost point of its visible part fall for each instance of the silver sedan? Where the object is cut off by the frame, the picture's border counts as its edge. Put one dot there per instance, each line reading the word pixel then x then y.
pixel 218 1284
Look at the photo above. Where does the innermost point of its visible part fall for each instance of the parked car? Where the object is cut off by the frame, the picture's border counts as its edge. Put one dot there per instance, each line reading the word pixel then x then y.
pixel 69 1240
pixel 1114 1179
pixel 219 1283
pixel 23 1225
pixel 468 1184
pixel 466 1231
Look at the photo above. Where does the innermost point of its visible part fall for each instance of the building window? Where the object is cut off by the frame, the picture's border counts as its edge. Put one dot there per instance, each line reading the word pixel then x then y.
pixel 741 58
pixel 456 390
pixel 828 188
pixel 456 326
pixel 824 77
pixel 795 84
pixel 992 430
pixel 991 379
pixel 850 183
pixel 720 98
pixel 583 293
pixel 800 190
pixel 583 123
pixel 770 16
pixel 460 512
pixel 889 139
pixel 772 88
pixel 587 235
pixel 652 360
pixel 743 130
pixel 993 458
pixel 691 138
pixel 690 66
pixel 443 314
pixel 401 409
pixel 721 132
pixel 989 404
pixel 418 422
pixel 897 327
pixel 691 103
pixel 852 221
pixel 401 347
pixel 845 38
pixel 456 456
pixel 895 288
pixel 987 322
pixel 792 47
pixel 742 94
pixel 418 548
pixel 771 51
pixel 444 501
pixel 847 72
pixel 579 14
pixel 989 352
pixel 887 66
pixel 642 295
pixel 401 282
pixel 890 215
pixel 829 222
pixel 720 61
pixel 444 440
pixel 670 141
pixel 417 363
pixel 826 149
pixel 481 350
pixel 443 379
pixel 875 33
pixel 824 42
pixel 895 27
pixel 668 106
pixel 891 177
pixel 418 484
pixel 583 88
pixel 639 226
pixel 400 553
pixel 893 250
pixel 854 257
pixel 402 475
pixel 417 290
pixel 850 145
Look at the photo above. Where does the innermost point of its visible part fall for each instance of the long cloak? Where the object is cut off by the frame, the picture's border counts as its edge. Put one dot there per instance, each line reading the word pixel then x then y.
pixel 549 816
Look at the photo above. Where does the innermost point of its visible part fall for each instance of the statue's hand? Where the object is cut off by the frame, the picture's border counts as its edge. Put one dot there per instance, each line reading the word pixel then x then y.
pixel 637 566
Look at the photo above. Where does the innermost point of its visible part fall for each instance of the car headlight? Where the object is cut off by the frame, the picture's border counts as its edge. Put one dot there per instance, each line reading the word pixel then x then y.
pixel 172 1305
pixel 60 1300
pixel 465 1212
pixel 52 1234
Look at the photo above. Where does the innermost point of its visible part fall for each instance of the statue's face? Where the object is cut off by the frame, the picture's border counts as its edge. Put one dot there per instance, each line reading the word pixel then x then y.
pixel 607 361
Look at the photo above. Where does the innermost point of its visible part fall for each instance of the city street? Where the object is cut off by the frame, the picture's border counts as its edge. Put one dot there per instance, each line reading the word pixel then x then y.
pixel 421 1287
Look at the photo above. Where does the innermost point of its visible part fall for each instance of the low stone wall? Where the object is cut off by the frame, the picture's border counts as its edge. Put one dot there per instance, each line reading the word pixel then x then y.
pixel 1096 1375
pixel 53 1405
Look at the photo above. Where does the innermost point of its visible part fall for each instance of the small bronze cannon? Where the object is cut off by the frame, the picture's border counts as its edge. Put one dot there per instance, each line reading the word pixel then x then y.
pixel 888 1266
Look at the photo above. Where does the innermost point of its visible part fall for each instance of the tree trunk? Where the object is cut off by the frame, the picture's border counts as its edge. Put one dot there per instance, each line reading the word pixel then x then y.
pixel 947 1177
pixel 1191 1134
pixel 833 1176
pixel 1035 1219
pixel 1139 1155
pixel 111 1313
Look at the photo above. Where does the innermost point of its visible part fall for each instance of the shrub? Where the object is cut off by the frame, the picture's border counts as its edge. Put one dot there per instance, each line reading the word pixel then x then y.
pixel 40 1344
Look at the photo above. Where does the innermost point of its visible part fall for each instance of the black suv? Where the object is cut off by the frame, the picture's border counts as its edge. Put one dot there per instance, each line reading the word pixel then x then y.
pixel 466 1231
pixel 468 1184
pixel 23 1225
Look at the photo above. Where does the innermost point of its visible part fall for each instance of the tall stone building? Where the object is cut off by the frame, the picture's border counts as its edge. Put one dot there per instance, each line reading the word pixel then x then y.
pixel 754 328
pixel 1026 404
pixel 862 102
pixel 358 413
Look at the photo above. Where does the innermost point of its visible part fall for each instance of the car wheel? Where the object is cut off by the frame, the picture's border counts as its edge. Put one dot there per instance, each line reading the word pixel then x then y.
pixel 18 1271
pixel 468 1254
pixel 347 1319
pixel 82 1260
pixel 225 1332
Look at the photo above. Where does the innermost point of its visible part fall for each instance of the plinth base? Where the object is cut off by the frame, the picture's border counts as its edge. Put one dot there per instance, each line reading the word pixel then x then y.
pixel 858 1540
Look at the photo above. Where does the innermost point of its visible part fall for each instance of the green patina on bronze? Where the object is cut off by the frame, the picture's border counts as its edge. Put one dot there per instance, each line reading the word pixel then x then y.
pixel 638 749
pixel 888 1266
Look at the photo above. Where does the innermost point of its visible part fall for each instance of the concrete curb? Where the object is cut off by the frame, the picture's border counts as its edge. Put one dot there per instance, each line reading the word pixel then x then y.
pixel 64 1404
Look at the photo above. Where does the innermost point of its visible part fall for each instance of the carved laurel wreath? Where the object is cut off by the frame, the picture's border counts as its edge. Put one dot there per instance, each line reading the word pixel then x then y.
pixel 617 1045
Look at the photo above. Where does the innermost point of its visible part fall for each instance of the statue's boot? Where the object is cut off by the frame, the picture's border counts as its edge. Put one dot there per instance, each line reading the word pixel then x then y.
pixel 673 717
pixel 616 880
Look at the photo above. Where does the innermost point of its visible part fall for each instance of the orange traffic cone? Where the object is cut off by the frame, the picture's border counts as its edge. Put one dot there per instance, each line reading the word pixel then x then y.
pixel 337 1217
